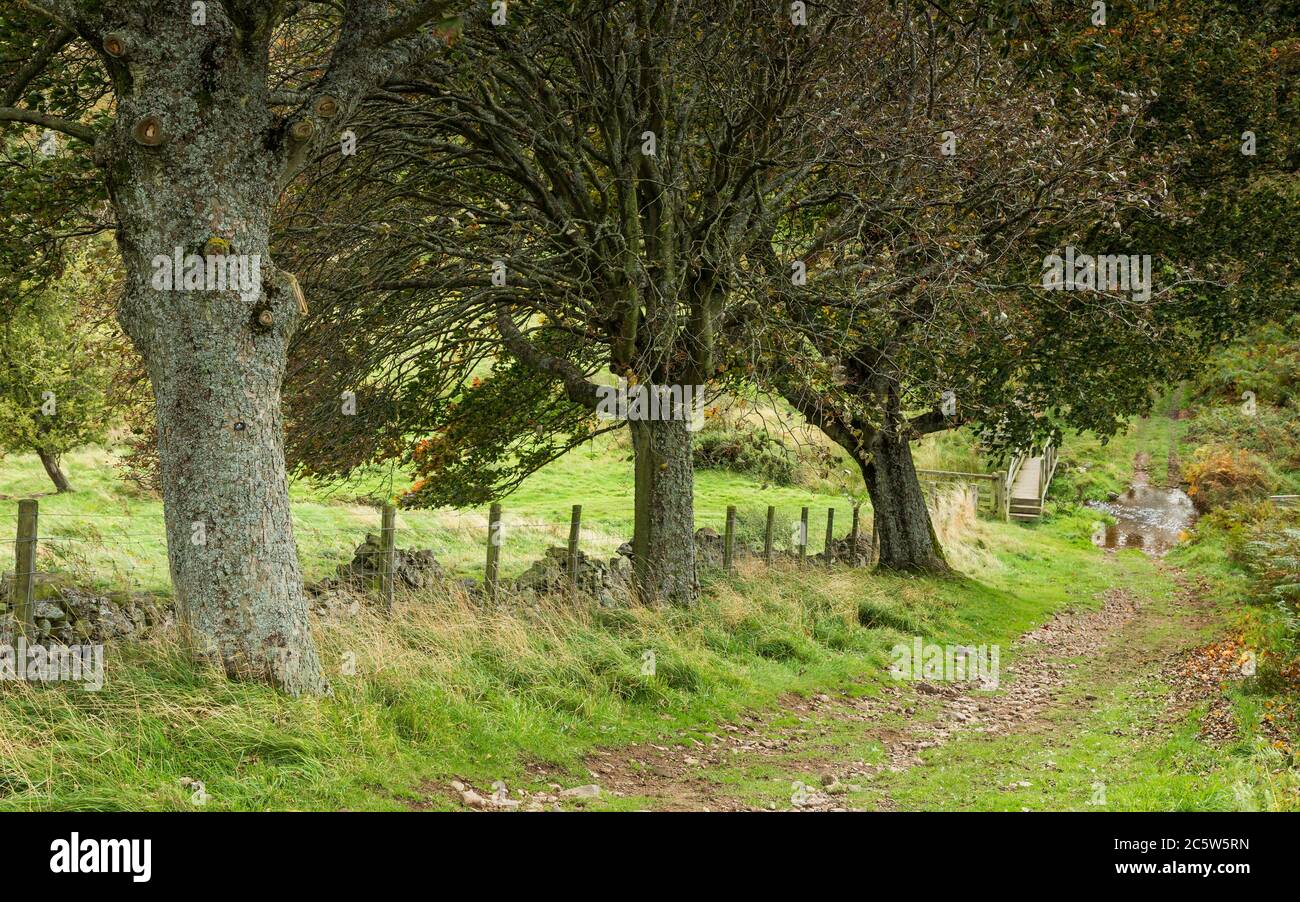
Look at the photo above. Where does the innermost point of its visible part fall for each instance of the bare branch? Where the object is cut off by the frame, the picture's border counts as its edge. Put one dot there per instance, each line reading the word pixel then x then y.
pixel 576 386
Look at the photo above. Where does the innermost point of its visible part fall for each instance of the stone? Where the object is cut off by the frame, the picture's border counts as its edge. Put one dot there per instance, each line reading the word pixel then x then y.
pixel 414 568
pixel 45 609
pixel 69 614
pixel 588 791
pixel 845 553
pixel 595 578
pixel 358 581
pixel 474 800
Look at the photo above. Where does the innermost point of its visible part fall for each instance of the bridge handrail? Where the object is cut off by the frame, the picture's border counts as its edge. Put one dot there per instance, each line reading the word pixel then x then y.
pixel 1013 470
pixel 1046 471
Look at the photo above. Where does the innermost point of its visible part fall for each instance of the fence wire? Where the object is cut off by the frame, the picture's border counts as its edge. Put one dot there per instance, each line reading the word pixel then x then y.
pixel 129 551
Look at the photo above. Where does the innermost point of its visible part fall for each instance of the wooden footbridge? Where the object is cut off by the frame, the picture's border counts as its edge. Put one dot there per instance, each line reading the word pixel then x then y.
pixel 1016 493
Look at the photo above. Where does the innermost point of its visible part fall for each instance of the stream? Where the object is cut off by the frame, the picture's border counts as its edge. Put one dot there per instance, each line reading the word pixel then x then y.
pixel 1147 517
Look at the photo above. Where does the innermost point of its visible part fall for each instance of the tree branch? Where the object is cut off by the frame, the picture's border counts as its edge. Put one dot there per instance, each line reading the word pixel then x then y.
pixel 70 13
pixel 72 129
pixel 576 386
pixel 931 421
pixel 368 50
pixel 412 21
pixel 55 42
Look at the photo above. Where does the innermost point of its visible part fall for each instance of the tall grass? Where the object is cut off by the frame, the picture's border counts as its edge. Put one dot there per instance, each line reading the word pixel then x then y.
pixel 449 686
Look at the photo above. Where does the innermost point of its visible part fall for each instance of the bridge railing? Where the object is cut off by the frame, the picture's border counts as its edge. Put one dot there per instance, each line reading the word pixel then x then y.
pixel 990 487
pixel 995 488
pixel 1047 470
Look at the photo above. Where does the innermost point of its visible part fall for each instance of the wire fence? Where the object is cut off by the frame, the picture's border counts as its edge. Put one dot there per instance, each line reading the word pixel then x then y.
pixel 128 552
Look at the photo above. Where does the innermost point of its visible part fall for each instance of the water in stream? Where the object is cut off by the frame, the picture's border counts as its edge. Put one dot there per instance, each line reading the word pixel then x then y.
pixel 1147 517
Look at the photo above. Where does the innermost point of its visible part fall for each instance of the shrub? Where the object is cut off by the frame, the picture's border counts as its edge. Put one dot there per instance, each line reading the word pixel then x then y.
pixel 1272 432
pixel 1219 475
pixel 755 452
pixel 1274 558
pixel 1266 361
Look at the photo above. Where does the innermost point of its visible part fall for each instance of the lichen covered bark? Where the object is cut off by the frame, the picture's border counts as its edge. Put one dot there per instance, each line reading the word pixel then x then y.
pixel 193 163
pixel 663 542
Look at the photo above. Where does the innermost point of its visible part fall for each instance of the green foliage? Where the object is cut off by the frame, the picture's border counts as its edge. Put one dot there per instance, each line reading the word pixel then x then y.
pixel 49 186
pixel 1271 432
pixel 494 433
pixel 725 445
pixel 1274 557
pixel 1266 362
pixel 57 363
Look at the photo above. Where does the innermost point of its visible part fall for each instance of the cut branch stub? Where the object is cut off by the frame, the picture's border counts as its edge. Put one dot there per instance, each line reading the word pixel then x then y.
pixel 263 319
pixel 116 45
pixel 302 130
pixel 298 295
pixel 327 107
pixel 149 132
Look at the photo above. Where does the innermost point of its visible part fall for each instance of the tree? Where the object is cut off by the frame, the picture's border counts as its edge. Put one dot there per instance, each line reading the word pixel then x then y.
pixel 570 192
pixel 199 114
pixel 914 313
pixel 57 364
pixel 934 288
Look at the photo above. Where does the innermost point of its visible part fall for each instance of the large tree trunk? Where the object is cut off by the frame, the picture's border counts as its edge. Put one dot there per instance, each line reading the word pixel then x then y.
pixel 215 358
pixel 53 470
pixel 904 535
pixel 663 541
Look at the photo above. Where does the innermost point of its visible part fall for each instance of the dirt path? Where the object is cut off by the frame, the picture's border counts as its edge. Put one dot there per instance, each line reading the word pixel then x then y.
pixel 1141 470
pixel 1054 678
pixel 908 718
pixel 1050 680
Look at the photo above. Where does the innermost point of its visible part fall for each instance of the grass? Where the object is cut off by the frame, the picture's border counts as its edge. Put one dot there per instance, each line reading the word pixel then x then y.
pixel 1090 467
pixel 453 688
pixel 1101 753
pixel 111 534
pixel 1097 748
pixel 449 688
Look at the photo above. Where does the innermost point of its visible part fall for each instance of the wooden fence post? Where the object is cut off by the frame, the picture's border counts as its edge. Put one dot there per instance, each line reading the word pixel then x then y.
pixel 729 541
pixel 575 528
pixel 803 535
pixel 767 536
pixel 830 536
pixel 388 554
pixel 493 551
pixel 25 569
pixel 999 485
pixel 855 533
